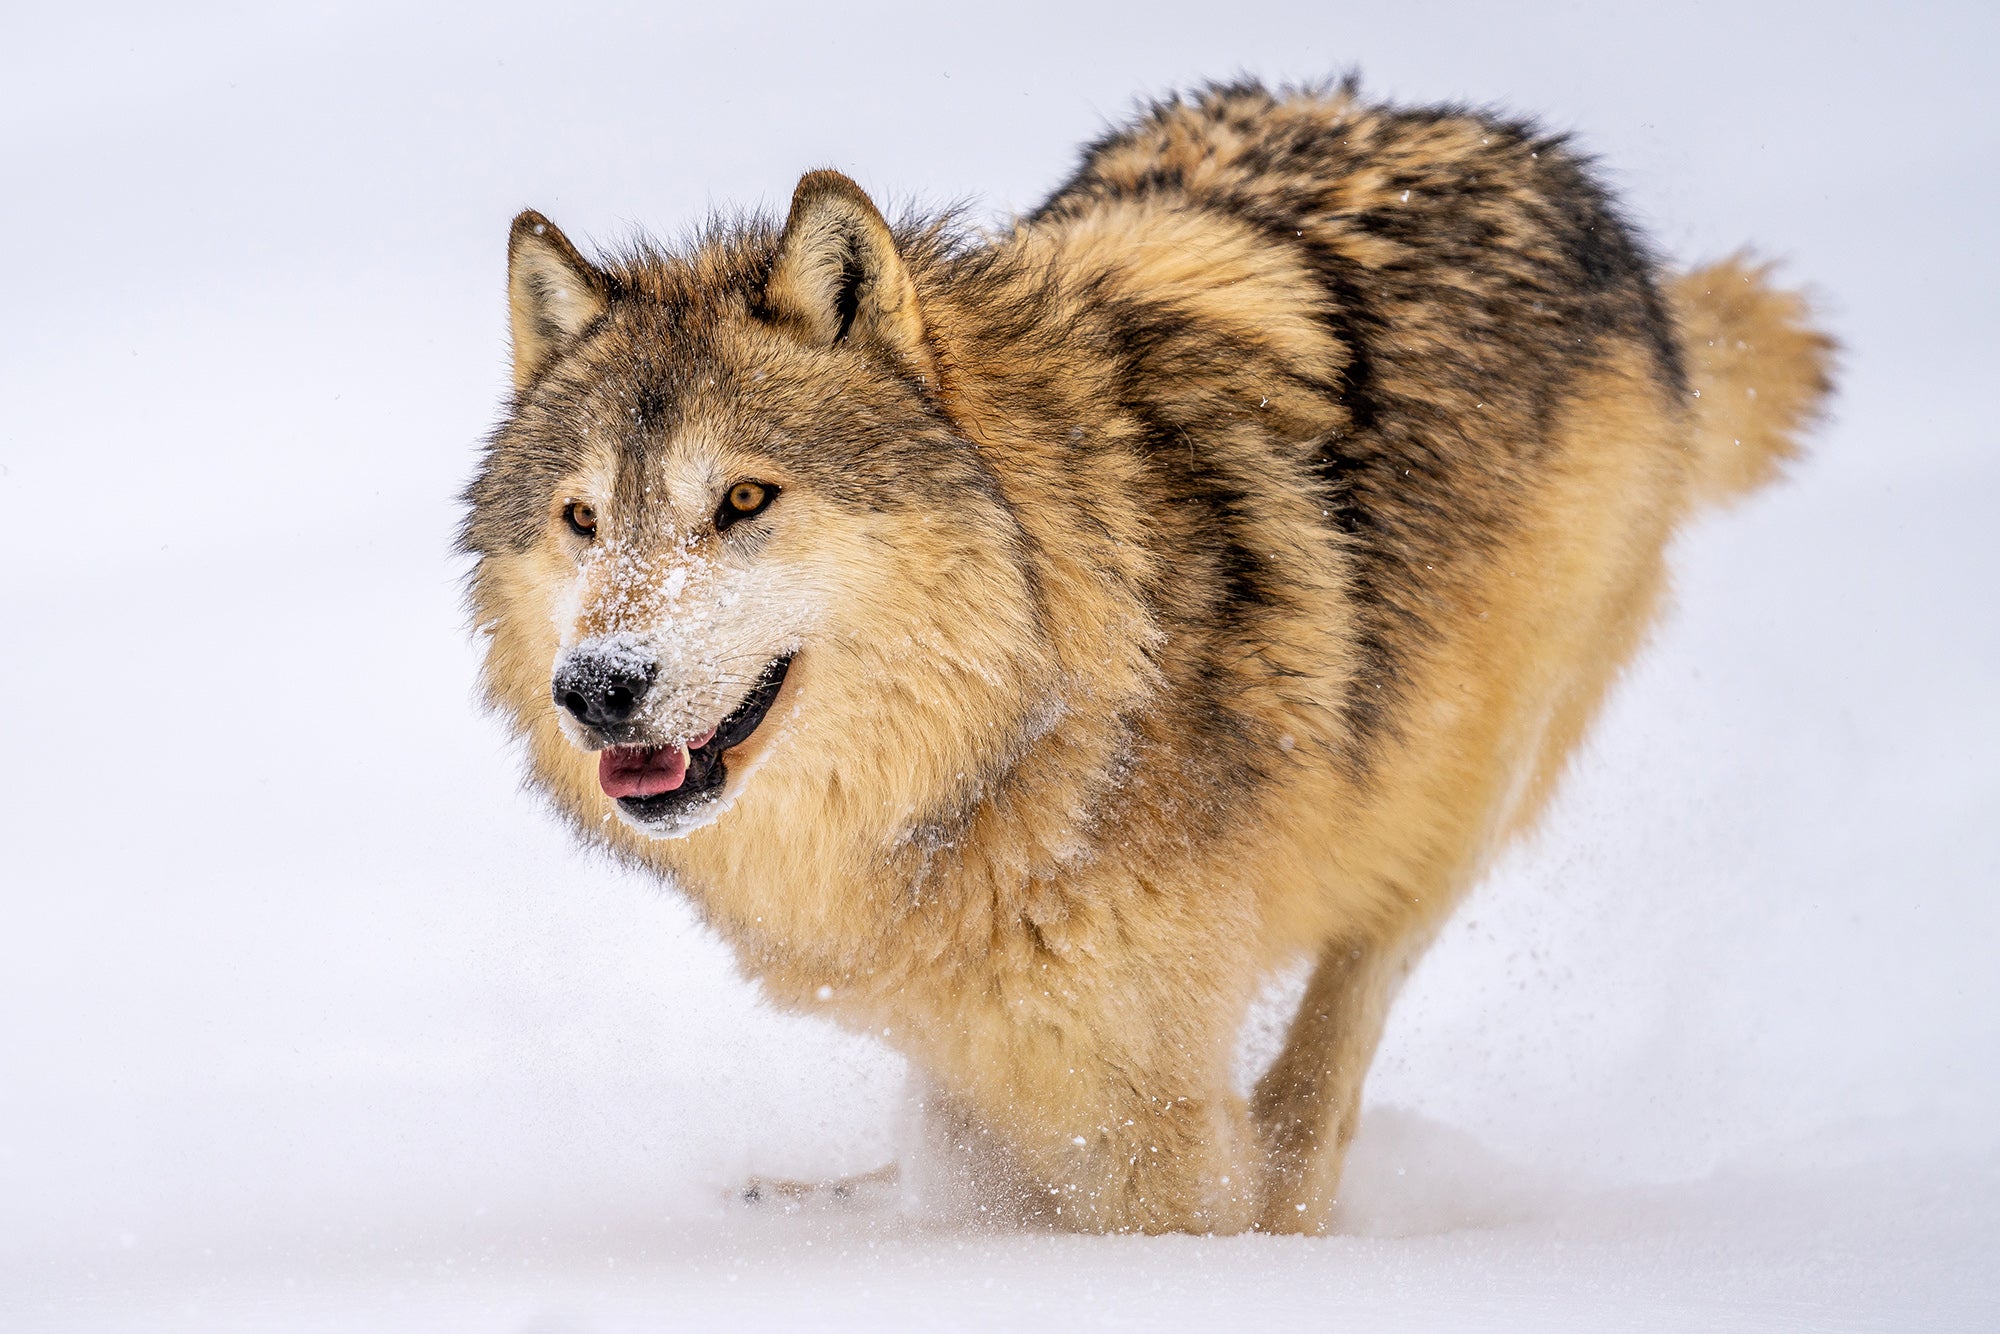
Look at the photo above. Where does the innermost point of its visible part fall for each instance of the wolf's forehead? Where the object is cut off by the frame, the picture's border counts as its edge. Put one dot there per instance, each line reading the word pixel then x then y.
pixel 700 417
pixel 635 386
pixel 673 476
pixel 650 404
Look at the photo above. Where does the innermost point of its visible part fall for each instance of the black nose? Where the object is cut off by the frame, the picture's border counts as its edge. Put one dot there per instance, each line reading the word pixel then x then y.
pixel 602 689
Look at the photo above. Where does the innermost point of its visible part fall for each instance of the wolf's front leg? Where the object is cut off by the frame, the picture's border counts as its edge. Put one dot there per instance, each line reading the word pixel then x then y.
pixel 1171 1163
pixel 1090 1145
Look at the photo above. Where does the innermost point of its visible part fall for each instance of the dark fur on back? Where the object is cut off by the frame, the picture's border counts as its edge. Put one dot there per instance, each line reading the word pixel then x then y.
pixel 1472 267
pixel 1471 271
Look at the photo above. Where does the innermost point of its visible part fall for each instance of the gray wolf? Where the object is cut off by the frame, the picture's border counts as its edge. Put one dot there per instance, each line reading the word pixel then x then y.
pixel 1019 645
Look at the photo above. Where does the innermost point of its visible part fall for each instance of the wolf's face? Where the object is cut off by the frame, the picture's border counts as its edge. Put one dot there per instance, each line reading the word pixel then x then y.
pixel 720 537
pixel 689 595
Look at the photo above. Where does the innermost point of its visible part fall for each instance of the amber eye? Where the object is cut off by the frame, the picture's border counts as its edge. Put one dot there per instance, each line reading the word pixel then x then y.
pixel 581 518
pixel 745 500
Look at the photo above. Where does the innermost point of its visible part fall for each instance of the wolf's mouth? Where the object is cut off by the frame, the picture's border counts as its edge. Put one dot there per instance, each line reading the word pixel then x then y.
pixel 654 783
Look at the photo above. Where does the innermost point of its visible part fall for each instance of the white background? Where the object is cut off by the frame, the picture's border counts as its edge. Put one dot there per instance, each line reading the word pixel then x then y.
pixel 310 1018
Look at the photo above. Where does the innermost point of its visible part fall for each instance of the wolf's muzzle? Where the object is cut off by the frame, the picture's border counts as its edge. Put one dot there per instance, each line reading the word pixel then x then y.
pixel 703 773
pixel 602 689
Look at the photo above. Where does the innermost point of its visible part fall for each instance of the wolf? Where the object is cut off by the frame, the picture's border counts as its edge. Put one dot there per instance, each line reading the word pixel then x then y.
pixel 1022 644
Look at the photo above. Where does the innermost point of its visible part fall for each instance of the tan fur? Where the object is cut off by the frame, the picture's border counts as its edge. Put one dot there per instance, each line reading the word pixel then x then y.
pixel 552 295
pixel 1761 370
pixel 1038 803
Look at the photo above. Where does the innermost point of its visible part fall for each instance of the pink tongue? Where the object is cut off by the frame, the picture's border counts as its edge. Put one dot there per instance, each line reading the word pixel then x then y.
pixel 640 771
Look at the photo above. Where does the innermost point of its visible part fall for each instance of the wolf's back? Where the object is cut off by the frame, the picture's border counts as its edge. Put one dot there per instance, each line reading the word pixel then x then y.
pixel 1762 373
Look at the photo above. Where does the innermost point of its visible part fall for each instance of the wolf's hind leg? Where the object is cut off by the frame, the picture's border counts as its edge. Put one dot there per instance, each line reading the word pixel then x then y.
pixel 1307 1104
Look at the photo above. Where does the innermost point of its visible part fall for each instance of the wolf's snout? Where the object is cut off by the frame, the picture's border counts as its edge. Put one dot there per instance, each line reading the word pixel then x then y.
pixel 602 689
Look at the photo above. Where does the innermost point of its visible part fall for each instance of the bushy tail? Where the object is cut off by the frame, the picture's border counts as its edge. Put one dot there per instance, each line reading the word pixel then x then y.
pixel 1759 368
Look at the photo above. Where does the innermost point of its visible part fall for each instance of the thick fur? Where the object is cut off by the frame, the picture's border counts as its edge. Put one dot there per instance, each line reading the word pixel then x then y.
pixel 1209 572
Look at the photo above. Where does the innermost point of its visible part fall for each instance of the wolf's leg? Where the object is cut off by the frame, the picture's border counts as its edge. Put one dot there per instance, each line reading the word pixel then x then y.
pixel 1166 1145
pixel 1152 1163
pixel 1307 1104
pixel 1083 1134
pixel 1188 1165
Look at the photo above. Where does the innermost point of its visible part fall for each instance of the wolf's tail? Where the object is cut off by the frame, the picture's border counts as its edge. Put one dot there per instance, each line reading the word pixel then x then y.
pixel 1760 371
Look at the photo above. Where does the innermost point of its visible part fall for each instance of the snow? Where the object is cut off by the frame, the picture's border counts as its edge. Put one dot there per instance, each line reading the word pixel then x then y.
pixel 316 1021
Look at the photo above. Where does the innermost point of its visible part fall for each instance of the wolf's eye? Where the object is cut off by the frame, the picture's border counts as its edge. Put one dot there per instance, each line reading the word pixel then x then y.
pixel 745 500
pixel 581 518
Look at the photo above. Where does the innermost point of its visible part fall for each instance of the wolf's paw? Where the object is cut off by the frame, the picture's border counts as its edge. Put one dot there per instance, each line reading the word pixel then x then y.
pixel 865 1190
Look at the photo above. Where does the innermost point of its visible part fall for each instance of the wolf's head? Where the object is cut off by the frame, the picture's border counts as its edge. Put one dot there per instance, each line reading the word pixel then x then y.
pixel 729 545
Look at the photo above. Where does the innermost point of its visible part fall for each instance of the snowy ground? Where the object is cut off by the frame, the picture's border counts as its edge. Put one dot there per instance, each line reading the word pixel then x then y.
pixel 313 1021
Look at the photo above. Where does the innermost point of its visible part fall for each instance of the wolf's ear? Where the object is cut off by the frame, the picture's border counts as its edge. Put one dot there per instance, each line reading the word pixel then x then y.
pixel 838 276
pixel 553 293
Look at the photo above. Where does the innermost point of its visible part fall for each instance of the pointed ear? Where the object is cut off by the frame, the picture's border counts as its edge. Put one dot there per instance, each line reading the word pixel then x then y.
pixel 839 278
pixel 553 293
